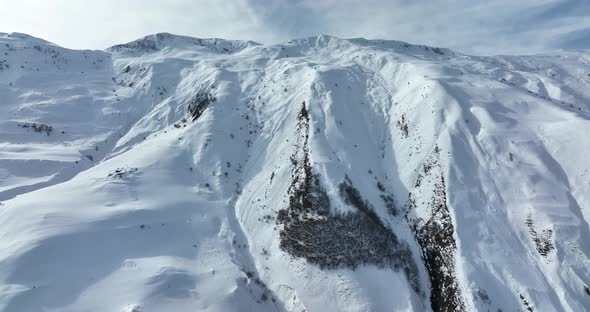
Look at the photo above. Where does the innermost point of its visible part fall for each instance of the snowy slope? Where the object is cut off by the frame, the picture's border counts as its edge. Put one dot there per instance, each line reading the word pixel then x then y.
pixel 182 174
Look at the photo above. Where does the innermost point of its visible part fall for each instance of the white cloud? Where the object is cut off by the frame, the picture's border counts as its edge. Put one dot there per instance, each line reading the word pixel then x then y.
pixel 99 24
pixel 493 26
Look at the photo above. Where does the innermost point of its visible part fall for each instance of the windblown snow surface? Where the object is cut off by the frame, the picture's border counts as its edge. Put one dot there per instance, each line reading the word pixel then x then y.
pixel 323 174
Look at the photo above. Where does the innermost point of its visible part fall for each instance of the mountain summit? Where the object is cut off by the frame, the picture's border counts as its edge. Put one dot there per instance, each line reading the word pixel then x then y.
pixel 323 174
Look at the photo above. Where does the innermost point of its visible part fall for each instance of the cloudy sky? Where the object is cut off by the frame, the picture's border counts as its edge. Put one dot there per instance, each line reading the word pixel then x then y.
pixel 471 26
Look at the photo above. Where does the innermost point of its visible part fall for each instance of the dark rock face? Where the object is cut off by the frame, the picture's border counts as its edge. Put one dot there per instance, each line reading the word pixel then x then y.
pixel 402 124
pixel 309 230
pixel 147 44
pixel 525 303
pixel 39 128
pixel 435 237
pixel 199 103
pixel 542 240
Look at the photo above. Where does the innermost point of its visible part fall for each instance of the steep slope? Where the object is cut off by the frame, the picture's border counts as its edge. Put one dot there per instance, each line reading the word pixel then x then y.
pixel 180 174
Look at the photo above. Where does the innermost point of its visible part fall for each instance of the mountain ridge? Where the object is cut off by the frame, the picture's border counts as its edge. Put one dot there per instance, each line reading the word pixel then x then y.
pixel 376 42
pixel 318 174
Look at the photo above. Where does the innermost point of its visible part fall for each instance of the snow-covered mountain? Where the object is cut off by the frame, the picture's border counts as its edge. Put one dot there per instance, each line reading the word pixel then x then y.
pixel 323 174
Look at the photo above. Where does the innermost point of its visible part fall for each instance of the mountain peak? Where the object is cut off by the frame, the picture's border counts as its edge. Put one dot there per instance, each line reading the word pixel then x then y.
pixel 160 41
pixel 23 37
pixel 335 43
